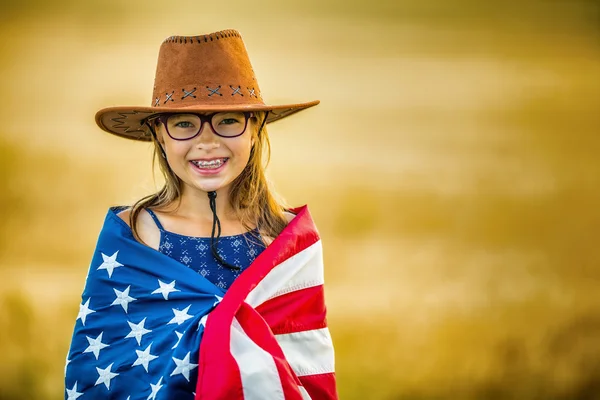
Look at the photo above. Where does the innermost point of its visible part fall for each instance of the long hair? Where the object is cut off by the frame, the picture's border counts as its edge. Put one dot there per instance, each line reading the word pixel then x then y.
pixel 254 203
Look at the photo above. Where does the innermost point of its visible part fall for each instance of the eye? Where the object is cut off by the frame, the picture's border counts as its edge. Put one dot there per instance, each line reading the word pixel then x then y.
pixel 229 121
pixel 184 124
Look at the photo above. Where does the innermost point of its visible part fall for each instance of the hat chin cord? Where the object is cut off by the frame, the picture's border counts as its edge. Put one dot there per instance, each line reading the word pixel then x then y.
pixel 214 242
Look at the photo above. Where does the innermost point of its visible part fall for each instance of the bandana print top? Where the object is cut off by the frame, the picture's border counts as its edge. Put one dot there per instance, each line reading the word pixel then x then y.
pixel 194 252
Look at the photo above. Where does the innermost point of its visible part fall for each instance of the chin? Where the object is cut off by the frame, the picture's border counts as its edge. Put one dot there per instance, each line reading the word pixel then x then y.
pixel 210 186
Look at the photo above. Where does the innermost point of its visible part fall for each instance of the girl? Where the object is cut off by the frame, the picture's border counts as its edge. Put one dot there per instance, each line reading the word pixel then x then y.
pixel 210 288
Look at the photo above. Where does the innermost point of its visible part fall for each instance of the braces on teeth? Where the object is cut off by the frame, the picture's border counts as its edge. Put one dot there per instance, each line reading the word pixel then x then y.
pixel 209 164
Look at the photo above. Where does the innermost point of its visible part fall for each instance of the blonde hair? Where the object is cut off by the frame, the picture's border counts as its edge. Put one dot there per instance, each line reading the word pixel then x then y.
pixel 254 203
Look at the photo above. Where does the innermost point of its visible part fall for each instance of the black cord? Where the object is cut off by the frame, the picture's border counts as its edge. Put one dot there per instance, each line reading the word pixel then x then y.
pixel 162 151
pixel 212 196
pixel 264 122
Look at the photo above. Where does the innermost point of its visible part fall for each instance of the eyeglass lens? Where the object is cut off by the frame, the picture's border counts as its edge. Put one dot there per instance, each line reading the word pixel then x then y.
pixel 185 126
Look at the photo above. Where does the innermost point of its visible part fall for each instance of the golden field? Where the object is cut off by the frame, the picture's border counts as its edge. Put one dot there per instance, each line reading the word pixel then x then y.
pixel 452 168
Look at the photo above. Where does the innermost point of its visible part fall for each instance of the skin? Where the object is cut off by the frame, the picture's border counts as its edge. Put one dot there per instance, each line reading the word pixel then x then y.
pixel 207 145
pixel 193 217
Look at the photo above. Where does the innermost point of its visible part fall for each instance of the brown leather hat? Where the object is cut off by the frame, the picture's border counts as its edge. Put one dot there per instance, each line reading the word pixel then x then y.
pixel 197 74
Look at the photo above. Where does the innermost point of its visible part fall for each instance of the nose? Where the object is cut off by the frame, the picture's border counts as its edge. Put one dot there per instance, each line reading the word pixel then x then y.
pixel 207 139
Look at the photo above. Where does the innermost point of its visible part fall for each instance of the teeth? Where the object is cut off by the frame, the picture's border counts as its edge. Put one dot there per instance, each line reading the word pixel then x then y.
pixel 212 164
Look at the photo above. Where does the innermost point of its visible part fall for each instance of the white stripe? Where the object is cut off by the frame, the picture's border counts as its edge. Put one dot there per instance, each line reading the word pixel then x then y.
pixel 304 393
pixel 308 352
pixel 301 271
pixel 257 367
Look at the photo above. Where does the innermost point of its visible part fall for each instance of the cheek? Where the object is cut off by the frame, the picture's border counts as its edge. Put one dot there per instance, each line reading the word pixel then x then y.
pixel 242 148
pixel 176 156
pixel 173 153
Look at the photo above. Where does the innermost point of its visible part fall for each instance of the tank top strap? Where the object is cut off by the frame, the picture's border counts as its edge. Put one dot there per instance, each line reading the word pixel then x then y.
pixel 155 218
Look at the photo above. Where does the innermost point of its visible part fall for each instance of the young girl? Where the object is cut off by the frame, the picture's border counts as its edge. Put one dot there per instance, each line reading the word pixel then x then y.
pixel 210 288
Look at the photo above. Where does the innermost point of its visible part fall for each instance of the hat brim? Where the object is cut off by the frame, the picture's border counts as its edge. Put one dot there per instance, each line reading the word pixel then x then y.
pixel 128 122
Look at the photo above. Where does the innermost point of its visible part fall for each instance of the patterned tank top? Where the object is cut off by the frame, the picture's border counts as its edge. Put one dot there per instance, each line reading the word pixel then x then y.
pixel 240 250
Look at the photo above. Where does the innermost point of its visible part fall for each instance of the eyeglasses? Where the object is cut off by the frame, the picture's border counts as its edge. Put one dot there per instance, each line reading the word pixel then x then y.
pixel 188 126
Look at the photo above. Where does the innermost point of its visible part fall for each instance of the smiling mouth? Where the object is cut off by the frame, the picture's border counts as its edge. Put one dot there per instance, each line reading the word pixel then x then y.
pixel 212 164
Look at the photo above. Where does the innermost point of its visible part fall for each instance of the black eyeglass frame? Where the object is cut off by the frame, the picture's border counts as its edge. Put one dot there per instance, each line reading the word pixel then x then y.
pixel 163 118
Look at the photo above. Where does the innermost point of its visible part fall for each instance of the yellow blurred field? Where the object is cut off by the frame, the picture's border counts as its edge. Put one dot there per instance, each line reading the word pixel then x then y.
pixel 452 169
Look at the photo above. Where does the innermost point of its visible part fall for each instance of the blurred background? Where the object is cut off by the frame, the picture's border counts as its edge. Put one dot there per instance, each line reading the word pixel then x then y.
pixel 452 169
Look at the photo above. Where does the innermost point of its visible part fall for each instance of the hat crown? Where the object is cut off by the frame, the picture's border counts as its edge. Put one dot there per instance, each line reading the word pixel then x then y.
pixel 205 70
pixel 204 73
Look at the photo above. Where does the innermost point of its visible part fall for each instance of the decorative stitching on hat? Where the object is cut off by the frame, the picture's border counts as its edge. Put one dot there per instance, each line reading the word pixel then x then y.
pixel 227 33
pixel 188 94
pixel 214 91
pixel 236 90
pixel 253 92
pixel 119 122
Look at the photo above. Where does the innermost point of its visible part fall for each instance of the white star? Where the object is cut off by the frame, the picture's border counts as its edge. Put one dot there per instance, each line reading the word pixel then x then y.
pixel 144 357
pixel 179 336
pixel 180 316
pixel 137 331
pixel 105 375
pixel 219 298
pixel 184 366
pixel 84 311
pixel 110 263
pixel 73 394
pixel 155 389
pixel 203 322
pixel 95 345
pixel 165 289
pixel 123 299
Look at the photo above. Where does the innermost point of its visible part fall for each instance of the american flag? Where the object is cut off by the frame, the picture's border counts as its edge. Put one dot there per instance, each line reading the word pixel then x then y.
pixel 151 328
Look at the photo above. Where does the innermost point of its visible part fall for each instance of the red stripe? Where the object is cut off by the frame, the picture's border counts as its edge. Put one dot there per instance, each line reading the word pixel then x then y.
pixel 218 376
pixel 320 387
pixel 223 377
pixel 301 310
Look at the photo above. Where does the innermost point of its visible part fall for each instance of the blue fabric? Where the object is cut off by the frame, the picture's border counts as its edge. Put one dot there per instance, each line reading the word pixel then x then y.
pixel 194 252
pixel 132 288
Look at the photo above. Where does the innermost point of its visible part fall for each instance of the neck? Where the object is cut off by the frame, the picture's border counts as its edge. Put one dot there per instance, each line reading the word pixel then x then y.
pixel 195 204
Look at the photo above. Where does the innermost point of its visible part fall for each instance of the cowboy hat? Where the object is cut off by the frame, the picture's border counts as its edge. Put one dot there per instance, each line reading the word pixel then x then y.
pixel 197 74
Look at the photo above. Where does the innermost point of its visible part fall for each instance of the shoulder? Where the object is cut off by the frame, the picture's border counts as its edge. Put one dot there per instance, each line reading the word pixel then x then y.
pixel 146 228
pixel 124 215
pixel 289 216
